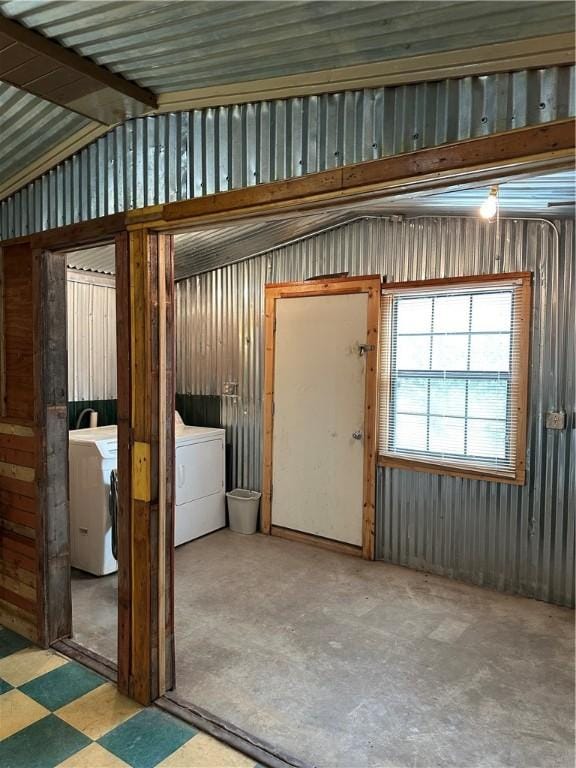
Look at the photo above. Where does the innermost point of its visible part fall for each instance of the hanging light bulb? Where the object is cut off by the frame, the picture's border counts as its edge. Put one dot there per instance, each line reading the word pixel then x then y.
pixel 489 207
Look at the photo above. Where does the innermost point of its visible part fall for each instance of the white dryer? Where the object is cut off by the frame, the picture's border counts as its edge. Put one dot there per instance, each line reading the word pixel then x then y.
pixel 200 482
pixel 200 486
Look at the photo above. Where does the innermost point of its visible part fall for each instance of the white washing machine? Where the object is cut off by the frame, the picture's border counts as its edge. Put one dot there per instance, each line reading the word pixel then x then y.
pixel 93 454
pixel 200 486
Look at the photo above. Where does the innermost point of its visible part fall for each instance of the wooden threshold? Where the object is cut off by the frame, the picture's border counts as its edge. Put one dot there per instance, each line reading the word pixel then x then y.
pixel 86 657
pixel 252 746
pixel 260 751
pixel 316 541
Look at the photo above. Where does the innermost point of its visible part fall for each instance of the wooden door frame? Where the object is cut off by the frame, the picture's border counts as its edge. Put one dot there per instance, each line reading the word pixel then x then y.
pixel 370 285
pixel 146 461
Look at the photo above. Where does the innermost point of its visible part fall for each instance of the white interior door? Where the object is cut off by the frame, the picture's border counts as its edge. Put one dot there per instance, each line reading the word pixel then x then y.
pixel 319 392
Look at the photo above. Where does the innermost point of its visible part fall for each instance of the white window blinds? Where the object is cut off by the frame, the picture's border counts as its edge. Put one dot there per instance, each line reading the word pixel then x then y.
pixel 451 379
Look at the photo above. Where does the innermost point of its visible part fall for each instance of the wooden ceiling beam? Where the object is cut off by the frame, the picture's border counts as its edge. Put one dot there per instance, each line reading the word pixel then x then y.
pixel 35 64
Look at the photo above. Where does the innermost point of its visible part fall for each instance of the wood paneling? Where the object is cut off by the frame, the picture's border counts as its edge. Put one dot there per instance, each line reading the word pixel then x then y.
pixel 19 517
pixel 18 569
pixel 34 556
pixel 18 321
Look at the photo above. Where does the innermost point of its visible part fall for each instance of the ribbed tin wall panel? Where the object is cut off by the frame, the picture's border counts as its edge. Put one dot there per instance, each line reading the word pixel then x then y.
pixel 519 539
pixel 163 158
pixel 91 340
pixel 219 340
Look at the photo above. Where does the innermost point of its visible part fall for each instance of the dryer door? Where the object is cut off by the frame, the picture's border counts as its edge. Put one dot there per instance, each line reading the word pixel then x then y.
pixel 199 470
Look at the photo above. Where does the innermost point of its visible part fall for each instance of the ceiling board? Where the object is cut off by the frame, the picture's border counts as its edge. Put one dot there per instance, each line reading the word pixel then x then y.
pixel 32 62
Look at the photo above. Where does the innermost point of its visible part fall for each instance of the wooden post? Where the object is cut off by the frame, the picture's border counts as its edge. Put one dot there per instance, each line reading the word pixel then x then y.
pixel 51 416
pixel 146 399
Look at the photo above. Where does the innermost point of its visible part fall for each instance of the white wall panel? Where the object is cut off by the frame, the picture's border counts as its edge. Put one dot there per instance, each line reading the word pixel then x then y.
pixel 91 338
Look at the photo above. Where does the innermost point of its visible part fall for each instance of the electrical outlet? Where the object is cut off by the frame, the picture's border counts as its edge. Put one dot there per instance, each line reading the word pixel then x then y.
pixel 555 420
pixel 230 389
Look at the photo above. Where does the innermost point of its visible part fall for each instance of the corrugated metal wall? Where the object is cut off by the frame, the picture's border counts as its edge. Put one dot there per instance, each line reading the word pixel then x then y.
pixel 171 157
pixel 91 338
pixel 519 539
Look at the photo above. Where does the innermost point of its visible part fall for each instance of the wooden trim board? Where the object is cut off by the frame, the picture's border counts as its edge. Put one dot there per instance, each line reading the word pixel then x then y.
pixel 51 415
pixel 524 328
pixel 317 541
pixel 545 147
pixel 2 350
pixel 330 287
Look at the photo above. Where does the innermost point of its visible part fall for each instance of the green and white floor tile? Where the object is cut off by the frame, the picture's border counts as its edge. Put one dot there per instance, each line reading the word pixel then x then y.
pixel 55 712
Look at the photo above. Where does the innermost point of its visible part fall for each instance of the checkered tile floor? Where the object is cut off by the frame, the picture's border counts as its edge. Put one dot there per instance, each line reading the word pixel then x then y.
pixel 54 712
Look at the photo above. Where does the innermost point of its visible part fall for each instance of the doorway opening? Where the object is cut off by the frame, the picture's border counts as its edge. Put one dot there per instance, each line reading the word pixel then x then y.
pixel 93 449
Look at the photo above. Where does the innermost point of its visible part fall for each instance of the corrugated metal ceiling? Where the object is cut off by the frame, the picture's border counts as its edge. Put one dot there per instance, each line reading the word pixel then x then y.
pixel 30 127
pixel 169 46
pixel 205 249
pixel 198 251
pixel 177 45
pixel 530 195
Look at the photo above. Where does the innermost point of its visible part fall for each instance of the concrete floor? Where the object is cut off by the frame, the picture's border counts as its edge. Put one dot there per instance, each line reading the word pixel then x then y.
pixel 353 664
pixel 95 612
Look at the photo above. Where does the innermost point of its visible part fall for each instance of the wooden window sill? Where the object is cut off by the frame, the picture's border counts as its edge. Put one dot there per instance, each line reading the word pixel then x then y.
pixel 452 471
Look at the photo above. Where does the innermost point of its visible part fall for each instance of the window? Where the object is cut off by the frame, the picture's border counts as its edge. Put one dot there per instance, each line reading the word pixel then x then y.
pixel 453 380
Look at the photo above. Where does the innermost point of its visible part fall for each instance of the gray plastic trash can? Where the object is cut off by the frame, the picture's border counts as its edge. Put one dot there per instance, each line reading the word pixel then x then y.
pixel 243 510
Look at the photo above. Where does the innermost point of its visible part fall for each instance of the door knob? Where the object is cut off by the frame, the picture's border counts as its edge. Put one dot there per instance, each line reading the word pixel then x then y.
pixel 357 435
